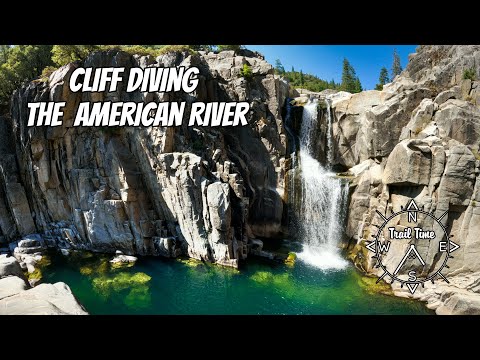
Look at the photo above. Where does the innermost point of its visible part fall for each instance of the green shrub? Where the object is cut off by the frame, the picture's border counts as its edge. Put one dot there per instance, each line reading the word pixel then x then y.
pixel 246 72
pixel 469 74
pixel 64 54
pixel 46 73
pixel 172 48
pixel 229 47
pixel 20 63
pixel 152 50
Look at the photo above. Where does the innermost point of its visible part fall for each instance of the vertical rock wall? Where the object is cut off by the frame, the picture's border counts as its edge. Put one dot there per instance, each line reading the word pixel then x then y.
pixel 199 191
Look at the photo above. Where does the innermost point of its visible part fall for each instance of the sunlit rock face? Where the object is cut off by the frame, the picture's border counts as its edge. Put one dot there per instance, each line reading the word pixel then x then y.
pixel 197 191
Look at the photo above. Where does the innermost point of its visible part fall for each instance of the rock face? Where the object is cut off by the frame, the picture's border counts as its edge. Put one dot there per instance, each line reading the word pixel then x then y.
pixel 418 138
pixel 161 191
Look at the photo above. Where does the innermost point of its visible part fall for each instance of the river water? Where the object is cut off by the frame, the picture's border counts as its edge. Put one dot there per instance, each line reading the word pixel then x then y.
pixel 163 286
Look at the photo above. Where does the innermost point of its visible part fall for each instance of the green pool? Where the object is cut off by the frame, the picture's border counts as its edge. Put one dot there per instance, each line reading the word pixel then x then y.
pixel 161 286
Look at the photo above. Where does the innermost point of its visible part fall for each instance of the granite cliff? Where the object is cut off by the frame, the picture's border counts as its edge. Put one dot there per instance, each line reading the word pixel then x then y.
pixel 211 193
pixel 418 138
pixel 196 191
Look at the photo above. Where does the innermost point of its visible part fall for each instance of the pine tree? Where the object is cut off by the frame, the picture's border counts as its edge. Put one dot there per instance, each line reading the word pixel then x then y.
pixel 350 82
pixel 382 79
pixel 396 66
pixel 358 86
pixel 301 77
pixel 279 69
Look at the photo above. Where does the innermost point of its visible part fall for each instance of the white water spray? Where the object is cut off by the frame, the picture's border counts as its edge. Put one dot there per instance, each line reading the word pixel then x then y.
pixel 323 199
pixel 329 132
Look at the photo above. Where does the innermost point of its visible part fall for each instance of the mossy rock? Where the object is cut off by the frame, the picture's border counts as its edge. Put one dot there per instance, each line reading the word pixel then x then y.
pixel 266 277
pixel 86 270
pixel 100 266
pixel 45 261
pixel 359 256
pixel 105 285
pixel 121 265
pixel 191 262
pixel 372 287
pixel 36 275
pixel 262 277
pixel 139 297
pixel 290 260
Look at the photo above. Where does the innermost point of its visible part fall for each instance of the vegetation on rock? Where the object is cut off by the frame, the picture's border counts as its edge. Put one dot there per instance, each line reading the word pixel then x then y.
pixel 469 74
pixel 246 72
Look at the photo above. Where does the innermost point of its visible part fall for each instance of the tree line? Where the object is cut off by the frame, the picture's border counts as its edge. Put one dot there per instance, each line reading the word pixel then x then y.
pixel 298 79
pixel 350 81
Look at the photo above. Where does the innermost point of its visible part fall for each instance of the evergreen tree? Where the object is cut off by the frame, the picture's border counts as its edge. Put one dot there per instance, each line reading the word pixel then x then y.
pixel 350 81
pixel 358 86
pixel 396 66
pixel 382 79
pixel 279 69
pixel 4 49
pixel 302 80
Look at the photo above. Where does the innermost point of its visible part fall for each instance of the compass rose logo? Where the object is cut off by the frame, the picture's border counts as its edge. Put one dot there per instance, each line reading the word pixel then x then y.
pixel 412 246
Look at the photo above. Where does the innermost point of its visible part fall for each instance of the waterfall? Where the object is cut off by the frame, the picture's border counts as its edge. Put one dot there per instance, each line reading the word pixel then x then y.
pixel 322 203
pixel 329 133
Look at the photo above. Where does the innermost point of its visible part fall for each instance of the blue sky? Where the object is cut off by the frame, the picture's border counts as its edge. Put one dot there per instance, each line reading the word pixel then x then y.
pixel 325 61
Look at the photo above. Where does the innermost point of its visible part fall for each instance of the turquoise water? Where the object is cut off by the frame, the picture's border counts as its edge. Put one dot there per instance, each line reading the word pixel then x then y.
pixel 162 286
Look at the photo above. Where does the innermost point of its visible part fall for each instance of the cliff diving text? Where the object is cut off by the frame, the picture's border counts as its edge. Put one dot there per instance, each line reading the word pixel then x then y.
pixel 126 107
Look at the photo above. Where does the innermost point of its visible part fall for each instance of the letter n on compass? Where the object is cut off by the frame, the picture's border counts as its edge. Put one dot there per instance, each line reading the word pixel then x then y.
pixel 412 210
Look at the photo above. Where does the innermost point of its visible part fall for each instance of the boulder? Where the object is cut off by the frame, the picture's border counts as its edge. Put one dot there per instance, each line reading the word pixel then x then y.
pixel 421 117
pixel 9 266
pixel 123 259
pixel 453 93
pixel 44 299
pixel 409 164
pixel 459 120
pixel 10 286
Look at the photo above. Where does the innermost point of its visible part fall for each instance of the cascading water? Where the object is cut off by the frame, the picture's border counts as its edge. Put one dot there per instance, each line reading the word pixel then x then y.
pixel 329 133
pixel 322 203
